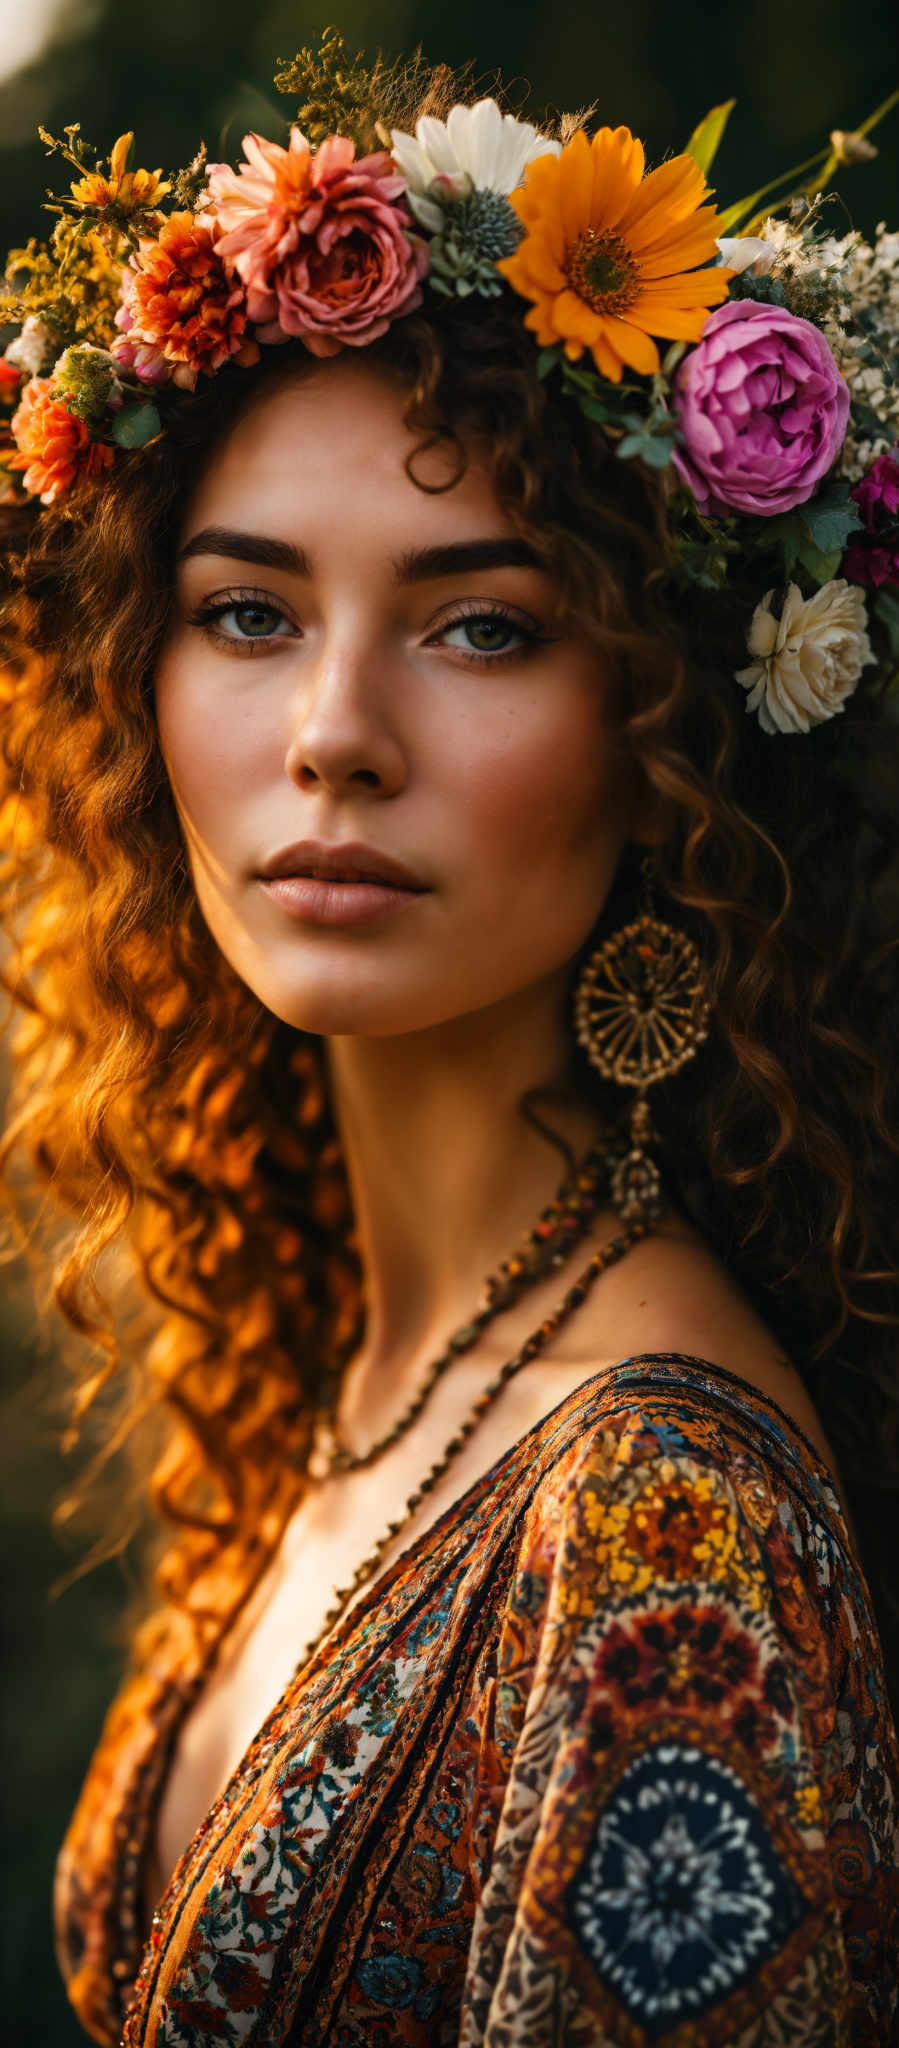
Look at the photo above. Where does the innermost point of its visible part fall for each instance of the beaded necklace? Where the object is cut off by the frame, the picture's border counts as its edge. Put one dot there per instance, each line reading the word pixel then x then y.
pixel 547 1245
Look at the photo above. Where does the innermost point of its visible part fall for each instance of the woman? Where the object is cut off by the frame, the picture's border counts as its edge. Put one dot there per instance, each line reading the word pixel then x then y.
pixel 515 1675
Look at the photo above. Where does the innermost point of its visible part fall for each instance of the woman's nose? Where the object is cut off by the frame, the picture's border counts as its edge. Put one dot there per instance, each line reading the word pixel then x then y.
pixel 344 730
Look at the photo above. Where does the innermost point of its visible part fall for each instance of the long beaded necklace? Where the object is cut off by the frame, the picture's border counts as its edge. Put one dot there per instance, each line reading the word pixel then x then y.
pixel 548 1244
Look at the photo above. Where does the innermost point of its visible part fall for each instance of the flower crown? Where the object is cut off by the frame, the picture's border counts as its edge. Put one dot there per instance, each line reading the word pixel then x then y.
pixel 774 411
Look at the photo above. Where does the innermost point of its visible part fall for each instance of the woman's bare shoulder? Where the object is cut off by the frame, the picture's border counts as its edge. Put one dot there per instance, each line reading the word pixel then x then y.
pixel 673 1293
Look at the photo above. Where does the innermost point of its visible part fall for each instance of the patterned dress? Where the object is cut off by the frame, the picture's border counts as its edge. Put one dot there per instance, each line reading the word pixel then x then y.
pixel 604 1758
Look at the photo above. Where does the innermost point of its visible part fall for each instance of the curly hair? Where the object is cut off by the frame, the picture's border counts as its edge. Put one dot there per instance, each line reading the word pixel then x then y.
pixel 184 1135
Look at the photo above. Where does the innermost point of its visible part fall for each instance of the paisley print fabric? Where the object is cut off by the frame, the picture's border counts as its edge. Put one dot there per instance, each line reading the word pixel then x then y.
pixel 604 1760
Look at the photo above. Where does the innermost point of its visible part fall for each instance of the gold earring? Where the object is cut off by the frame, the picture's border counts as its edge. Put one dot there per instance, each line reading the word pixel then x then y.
pixel 641 1010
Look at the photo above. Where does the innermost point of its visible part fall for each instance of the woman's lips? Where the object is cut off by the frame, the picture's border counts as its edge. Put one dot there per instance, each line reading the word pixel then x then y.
pixel 314 901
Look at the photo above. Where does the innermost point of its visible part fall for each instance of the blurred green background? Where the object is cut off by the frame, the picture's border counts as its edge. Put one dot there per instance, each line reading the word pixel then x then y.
pixel 183 71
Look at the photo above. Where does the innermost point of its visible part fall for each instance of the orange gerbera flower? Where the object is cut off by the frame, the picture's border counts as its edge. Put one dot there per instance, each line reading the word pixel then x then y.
pixel 179 305
pixel 54 447
pixel 126 189
pixel 607 254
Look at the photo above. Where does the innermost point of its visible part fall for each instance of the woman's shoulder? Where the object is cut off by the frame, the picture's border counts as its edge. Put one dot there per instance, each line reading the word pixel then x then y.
pixel 673 1294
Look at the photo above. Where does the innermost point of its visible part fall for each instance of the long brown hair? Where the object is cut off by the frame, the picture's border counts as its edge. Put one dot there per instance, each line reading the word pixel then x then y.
pixel 196 1203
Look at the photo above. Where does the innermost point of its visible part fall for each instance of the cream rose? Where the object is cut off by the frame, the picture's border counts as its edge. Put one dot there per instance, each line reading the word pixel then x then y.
pixel 809 660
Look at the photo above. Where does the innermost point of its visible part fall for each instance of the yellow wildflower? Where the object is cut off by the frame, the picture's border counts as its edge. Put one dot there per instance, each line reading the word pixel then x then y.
pixel 130 191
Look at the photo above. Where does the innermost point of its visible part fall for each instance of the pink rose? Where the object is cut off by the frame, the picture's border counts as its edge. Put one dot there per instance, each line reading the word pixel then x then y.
pixel 762 407
pixel 873 557
pixel 318 239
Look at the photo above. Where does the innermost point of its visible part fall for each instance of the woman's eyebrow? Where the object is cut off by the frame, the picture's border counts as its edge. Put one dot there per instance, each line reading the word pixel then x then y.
pixel 415 565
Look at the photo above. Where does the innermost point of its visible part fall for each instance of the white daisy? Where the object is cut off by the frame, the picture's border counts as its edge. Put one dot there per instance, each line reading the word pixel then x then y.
pixel 477 143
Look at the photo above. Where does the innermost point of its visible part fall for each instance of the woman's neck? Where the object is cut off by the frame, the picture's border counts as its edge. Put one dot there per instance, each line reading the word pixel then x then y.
pixel 444 1172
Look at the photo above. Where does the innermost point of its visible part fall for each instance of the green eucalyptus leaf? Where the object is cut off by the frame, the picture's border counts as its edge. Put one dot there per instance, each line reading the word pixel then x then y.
pixel 136 424
pixel 657 450
pixel 643 445
pixel 832 516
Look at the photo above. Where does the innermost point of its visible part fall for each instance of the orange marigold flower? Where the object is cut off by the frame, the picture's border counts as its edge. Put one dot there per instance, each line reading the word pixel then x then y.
pixel 126 189
pixel 179 306
pixel 607 254
pixel 55 448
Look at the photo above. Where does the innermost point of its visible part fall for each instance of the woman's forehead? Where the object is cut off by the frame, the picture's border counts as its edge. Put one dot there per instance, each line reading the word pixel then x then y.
pixel 334 446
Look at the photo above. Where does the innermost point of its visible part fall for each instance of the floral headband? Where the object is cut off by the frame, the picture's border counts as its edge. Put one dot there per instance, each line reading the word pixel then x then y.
pixel 774 411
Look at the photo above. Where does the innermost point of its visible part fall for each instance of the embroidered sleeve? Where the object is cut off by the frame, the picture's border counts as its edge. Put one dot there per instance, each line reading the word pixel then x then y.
pixel 695 1841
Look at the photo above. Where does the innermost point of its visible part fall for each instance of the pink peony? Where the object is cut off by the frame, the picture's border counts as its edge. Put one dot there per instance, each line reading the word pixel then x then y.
pixel 318 239
pixel 763 409
pixel 874 557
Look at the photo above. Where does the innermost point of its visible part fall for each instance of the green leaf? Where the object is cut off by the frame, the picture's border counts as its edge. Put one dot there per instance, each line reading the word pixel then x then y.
pixel 547 359
pixel 703 143
pixel 586 380
pixel 652 448
pixel 593 409
pixel 831 516
pixel 659 450
pixel 136 424
pixel 821 566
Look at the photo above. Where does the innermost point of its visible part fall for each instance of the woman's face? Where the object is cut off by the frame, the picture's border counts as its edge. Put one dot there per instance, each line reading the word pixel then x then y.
pixel 394 673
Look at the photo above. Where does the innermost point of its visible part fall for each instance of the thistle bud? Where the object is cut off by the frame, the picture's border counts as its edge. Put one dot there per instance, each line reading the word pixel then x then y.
pixel 87 379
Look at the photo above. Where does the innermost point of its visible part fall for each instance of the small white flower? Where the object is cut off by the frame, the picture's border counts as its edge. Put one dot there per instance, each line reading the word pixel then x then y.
pixel 809 660
pixel 738 251
pixel 490 147
pixel 28 350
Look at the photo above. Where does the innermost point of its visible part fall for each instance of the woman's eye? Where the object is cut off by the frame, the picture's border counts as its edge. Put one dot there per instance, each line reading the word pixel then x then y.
pixel 487 636
pixel 256 621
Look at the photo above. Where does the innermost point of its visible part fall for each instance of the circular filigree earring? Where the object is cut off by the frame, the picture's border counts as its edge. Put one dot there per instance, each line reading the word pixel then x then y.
pixel 641 1010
